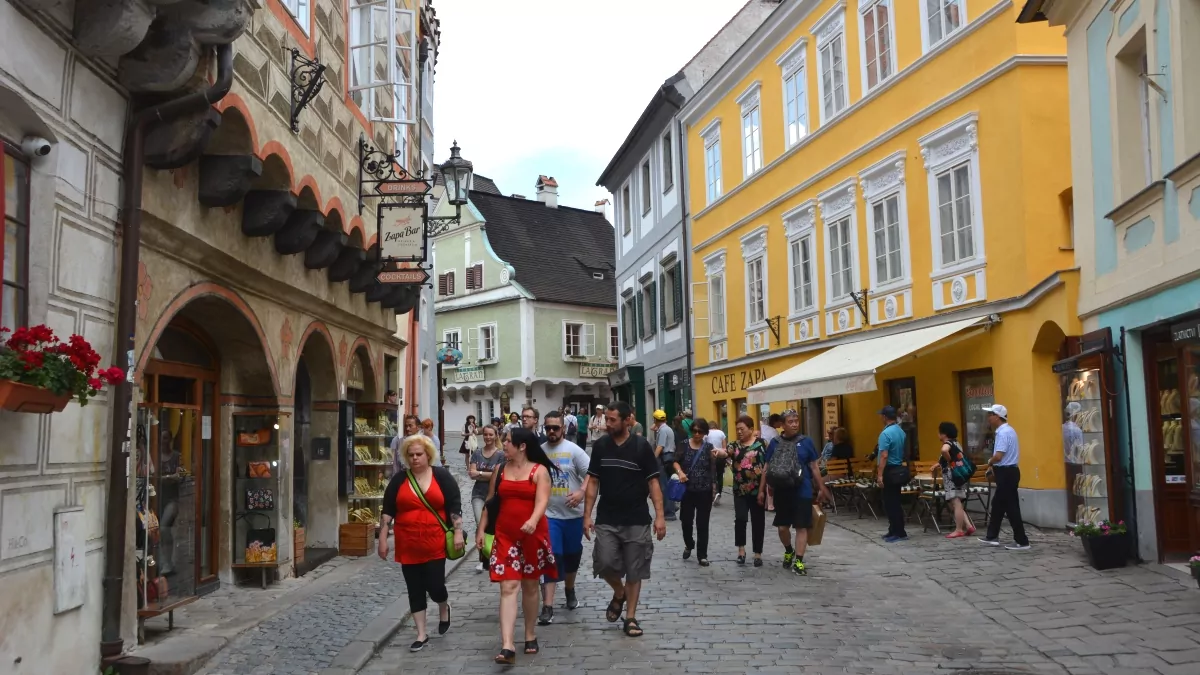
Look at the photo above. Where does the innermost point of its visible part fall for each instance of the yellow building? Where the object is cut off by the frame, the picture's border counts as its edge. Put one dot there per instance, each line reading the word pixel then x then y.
pixel 894 185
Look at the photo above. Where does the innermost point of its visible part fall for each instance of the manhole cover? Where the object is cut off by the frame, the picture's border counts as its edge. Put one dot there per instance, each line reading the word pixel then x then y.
pixel 962 653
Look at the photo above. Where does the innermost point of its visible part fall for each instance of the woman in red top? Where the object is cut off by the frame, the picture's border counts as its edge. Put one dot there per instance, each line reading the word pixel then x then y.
pixel 420 538
pixel 521 553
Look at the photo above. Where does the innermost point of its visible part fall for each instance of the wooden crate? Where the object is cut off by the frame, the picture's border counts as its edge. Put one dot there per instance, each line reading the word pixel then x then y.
pixel 356 539
pixel 298 542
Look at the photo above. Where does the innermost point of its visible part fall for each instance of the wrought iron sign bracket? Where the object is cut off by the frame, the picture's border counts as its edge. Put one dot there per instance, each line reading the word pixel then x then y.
pixel 308 76
pixel 773 323
pixel 380 176
pixel 435 225
pixel 860 301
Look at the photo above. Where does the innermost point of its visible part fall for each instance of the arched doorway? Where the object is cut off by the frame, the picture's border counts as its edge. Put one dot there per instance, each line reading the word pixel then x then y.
pixel 205 380
pixel 315 501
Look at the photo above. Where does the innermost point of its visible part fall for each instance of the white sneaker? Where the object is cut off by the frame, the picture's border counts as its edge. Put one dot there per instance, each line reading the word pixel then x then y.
pixel 717 499
pixel 989 542
pixel 1017 547
pixel 478 567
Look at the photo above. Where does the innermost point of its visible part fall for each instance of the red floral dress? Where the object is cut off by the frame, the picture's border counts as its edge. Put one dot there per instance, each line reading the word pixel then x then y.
pixel 516 555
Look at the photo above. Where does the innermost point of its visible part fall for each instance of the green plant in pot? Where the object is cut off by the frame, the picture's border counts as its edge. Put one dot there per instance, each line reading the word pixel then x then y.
pixel 1105 543
pixel 41 374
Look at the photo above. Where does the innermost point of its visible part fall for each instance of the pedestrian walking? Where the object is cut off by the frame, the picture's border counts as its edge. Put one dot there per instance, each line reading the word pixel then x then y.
pixel 1003 464
pixel 793 478
pixel 581 427
pixel 892 473
pixel 664 451
pixel 427 429
pixel 470 439
pixel 529 422
pixel 521 554
pixel 748 457
pixel 419 505
pixel 687 422
pixel 596 427
pixel 565 512
pixel 956 492
pixel 695 463
pixel 717 439
pixel 481 468
pixel 625 473
pixel 412 427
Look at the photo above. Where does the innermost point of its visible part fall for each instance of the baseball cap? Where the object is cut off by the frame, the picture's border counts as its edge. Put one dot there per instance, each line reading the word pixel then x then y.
pixel 599 406
pixel 660 415
pixel 687 412
pixel 888 412
pixel 997 410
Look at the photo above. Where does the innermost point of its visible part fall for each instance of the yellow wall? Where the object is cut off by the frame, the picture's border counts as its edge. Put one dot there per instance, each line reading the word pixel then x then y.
pixel 1014 78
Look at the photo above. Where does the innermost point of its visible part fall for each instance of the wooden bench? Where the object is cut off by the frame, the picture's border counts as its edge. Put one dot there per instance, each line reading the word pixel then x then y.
pixel 153 609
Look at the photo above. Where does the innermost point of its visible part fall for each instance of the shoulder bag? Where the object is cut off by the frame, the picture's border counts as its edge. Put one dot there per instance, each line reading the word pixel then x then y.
pixel 677 488
pixel 452 551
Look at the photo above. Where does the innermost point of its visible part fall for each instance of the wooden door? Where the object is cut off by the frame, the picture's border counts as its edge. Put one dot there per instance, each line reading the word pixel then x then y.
pixel 1168 456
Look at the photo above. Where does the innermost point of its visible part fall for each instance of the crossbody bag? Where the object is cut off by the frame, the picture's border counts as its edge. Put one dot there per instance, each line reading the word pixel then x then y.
pixel 452 551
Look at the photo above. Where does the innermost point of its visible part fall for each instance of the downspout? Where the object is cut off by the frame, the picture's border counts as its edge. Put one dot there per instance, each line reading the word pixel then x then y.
pixel 1133 516
pixel 117 486
pixel 687 242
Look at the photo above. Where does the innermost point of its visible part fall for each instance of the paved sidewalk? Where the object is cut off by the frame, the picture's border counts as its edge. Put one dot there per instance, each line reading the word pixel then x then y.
pixel 328 622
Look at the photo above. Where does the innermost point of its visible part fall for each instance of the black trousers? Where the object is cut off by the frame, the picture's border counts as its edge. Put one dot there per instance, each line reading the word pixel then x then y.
pixel 697 507
pixel 428 578
pixel 1007 502
pixel 747 507
pixel 894 509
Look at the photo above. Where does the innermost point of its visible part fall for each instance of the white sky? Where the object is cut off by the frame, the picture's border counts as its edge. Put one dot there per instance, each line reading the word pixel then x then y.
pixel 553 86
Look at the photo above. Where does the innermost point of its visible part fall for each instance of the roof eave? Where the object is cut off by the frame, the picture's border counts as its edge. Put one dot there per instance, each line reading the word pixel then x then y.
pixel 1032 12
pixel 666 94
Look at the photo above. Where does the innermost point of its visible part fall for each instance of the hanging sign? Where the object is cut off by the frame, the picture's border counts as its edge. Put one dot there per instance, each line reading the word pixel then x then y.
pixel 1188 331
pixel 596 369
pixel 414 276
pixel 402 187
pixel 402 232
pixel 468 374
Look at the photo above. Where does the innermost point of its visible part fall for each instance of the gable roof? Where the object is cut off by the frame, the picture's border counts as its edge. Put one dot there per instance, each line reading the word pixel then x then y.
pixel 554 251
pixel 478 183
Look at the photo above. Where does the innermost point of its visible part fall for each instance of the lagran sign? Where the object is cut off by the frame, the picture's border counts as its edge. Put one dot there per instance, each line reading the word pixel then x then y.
pixel 738 381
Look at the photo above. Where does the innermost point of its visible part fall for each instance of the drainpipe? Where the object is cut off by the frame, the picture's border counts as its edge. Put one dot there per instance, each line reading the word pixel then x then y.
pixel 111 644
pixel 1133 517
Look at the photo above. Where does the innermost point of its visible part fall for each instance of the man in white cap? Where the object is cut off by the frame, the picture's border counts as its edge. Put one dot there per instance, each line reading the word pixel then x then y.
pixel 1006 452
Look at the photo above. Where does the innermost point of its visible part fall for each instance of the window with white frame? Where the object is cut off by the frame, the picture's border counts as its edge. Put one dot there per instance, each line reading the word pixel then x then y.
pixel 646 201
pixel 383 60
pixel 452 339
pixel 940 18
pixel 716 306
pixel 579 339
pixel 795 95
pixel 756 308
pixel 487 342
pixel 299 10
pixel 614 342
pixel 752 154
pixel 800 253
pixel 626 211
pixel 841 258
pixel 712 161
pixel 668 163
pixel 885 238
pixel 671 289
pixel 952 162
pixel 887 221
pixel 831 59
pixel 878 55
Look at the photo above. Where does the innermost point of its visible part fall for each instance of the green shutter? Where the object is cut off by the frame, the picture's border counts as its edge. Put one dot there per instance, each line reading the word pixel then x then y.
pixel 641 325
pixel 678 292
pixel 653 307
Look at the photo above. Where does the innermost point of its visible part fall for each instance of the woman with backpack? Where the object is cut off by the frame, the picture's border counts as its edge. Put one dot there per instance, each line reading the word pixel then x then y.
pixel 956 479
pixel 695 466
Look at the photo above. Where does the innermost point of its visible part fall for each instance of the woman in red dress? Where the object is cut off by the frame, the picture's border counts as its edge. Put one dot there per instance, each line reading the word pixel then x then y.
pixel 420 538
pixel 521 553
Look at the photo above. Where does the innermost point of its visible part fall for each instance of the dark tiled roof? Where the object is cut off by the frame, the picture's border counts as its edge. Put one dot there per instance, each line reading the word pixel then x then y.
pixel 479 183
pixel 555 252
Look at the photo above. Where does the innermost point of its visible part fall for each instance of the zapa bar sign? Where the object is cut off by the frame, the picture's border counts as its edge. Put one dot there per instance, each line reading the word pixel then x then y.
pixel 402 232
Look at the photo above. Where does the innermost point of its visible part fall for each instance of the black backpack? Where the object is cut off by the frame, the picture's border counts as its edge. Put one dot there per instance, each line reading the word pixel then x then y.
pixel 784 470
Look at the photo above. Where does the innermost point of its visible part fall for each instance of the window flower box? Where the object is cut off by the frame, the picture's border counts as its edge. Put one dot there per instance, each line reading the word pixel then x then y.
pixel 24 398
pixel 40 374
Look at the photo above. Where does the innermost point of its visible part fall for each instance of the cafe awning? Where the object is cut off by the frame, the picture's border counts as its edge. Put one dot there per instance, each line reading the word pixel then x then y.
pixel 850 368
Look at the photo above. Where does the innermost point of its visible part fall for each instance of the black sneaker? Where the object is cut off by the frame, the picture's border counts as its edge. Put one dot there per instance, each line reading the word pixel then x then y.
pixel 547 616
pixel 418 645
pixel 758 562
pixel 572 601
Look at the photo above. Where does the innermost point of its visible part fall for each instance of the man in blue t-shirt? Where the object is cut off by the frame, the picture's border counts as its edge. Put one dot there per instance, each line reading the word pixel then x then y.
pixel 892 473
pixel 793 505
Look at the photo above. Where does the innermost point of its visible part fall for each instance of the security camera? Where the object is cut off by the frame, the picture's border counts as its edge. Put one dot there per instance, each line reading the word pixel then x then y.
pixel 34 146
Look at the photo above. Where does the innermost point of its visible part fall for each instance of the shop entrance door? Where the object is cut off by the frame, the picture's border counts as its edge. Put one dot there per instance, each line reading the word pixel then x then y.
pixel 1170 429
pixel 902 395
pixel 180 413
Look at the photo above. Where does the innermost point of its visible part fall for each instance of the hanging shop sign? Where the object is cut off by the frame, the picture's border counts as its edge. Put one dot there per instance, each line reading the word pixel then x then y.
pixel 832 407
pixel 468 374
pixel 596 369
pixel 678 379
pixel 402 232
pixel 414 276
pixel 1188 331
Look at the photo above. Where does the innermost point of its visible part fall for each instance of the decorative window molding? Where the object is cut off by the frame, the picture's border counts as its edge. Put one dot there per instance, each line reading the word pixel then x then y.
pixel 800 219
pixel 799 225
pixel 752 141
pixel 831 23
pixel 838 210
pixel 830 30
pixel 944 150
pixel 877 32
pixel 714 264
pixel 793 59
pixel 714 271
pixel 755 243
pixel 883 185
pixel 711 135
pixel 795 92
pixel 712 132
pixel 754 257
pixel 751 97
pixel 948 18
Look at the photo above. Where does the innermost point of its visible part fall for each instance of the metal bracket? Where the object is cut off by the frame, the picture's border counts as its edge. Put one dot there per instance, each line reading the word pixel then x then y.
pixel 860 301
pixel 308 76
pixel 377 168
pixel 773 323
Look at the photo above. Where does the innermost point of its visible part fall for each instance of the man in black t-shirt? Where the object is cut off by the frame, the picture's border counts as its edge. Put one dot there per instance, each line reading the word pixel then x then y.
pixel 625 473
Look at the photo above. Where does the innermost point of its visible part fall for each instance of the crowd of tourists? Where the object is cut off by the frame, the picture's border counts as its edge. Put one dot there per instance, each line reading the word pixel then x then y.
pixel 540 486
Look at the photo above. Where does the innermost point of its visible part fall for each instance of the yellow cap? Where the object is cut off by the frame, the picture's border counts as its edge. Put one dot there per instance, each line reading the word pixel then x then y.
pixel 660 415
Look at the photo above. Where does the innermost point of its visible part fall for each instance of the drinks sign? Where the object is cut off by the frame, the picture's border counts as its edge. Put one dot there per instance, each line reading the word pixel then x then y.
pixel 402 232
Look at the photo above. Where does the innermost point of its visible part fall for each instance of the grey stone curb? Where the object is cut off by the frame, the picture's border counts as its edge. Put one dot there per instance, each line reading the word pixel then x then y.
pixel 372 638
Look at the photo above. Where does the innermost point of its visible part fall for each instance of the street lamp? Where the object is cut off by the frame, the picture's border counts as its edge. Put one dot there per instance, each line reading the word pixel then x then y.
pixel 456 175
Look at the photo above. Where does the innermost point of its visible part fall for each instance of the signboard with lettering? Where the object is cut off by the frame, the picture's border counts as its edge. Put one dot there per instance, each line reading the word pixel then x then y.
pixel 415 276
pixel 596 369
pixel 832 415
pixel 740 381
pixel 1188 331
pixel 468 374
pixel 402 232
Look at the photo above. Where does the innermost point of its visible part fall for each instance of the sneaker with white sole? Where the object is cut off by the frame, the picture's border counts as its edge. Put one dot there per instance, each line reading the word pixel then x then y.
pixel 1017 547
pixel 989 542
pixel 478 567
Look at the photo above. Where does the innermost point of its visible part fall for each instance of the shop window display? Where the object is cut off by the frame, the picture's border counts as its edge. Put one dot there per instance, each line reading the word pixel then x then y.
pixel 1084 446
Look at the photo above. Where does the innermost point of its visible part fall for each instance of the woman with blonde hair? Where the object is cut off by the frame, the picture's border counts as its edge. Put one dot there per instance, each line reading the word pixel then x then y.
pixel 421 505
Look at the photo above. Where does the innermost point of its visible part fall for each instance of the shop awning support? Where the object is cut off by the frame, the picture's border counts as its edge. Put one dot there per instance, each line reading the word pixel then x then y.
pixel 860 301
pixel 773 324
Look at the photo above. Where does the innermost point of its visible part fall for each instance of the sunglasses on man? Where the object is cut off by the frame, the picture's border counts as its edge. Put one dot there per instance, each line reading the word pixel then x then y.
pixel 552 427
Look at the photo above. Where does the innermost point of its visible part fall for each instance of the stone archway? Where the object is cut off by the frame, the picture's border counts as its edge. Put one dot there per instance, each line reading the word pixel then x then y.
pixel 315 504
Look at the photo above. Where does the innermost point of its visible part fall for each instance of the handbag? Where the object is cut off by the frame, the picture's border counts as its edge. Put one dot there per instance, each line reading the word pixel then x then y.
pixel 260 542
pixel 260 437
pixel 962 468
pixel 258 470
pixel 260 499
pixel 677 488
pixel 452 551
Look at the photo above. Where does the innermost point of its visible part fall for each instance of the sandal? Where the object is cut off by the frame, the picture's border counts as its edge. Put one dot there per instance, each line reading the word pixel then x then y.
pixel 614 609
pixel 631 628
pixel 506 657
pixel 531 646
